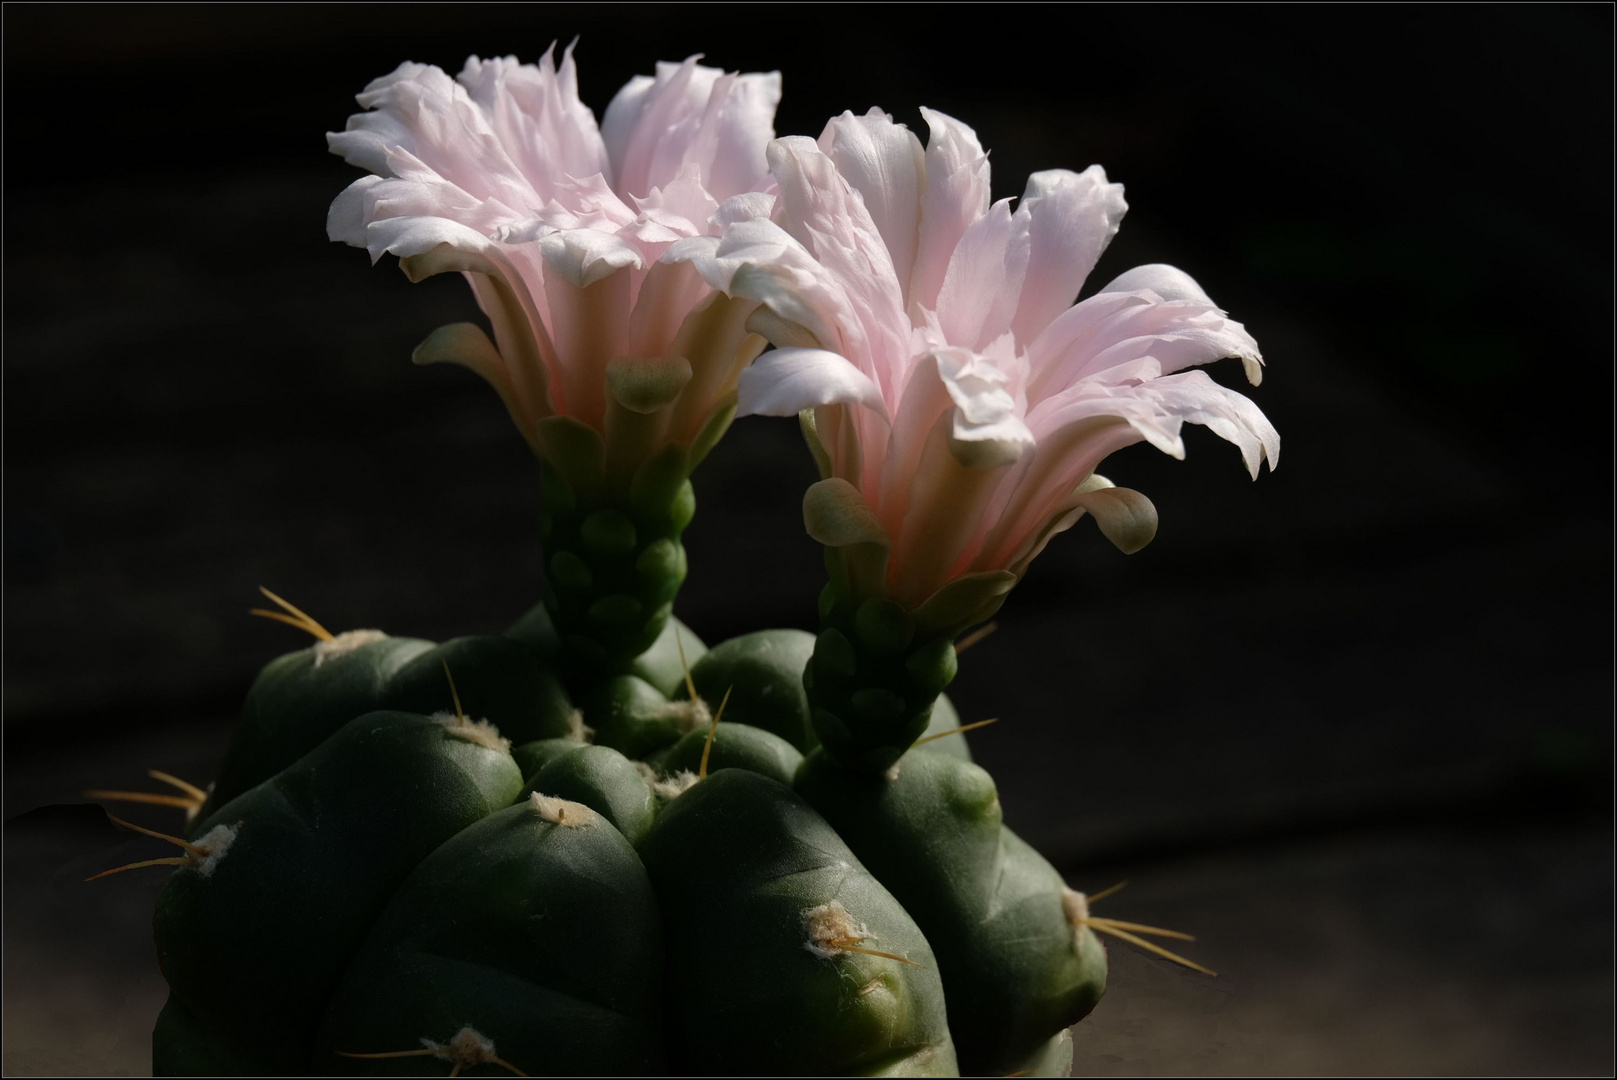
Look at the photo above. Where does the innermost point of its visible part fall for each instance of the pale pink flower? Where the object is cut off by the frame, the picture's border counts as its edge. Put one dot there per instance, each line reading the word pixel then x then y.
pixel 559 226
pixel 959 402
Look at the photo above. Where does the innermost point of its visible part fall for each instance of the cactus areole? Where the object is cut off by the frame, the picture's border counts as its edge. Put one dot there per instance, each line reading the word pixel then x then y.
pixel 592 844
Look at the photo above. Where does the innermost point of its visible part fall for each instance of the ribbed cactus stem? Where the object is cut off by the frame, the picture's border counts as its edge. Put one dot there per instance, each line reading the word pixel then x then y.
pixel 879 664
pixel 873 678
pixel 611 518
pixel 613 565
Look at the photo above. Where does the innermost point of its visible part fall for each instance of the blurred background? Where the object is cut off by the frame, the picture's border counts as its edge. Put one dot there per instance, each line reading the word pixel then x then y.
pixel 1349 724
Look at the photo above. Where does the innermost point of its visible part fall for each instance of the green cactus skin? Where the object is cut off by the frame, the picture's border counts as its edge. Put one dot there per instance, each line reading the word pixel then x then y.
pixel 537 632
pixel 738 863
pixel 661 665
pixel 301 698
pixel 871 684
pixel 735 746
pixel 603 780
pixel 634 718
pixel 184 1046
pixel 763 673
pixel 945 718
pixel 1015 970
pixel 254 946
pixel 533 756
pixel 542 936
pixel 498 680
pixel 613 561
pixel 1054 1058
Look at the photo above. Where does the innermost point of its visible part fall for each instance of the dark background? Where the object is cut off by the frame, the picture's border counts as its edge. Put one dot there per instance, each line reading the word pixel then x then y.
pixel 1350 724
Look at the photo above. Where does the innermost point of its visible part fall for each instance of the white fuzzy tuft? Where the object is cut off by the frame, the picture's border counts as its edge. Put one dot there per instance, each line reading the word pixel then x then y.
pixel 672 788
pixel 1076 906
pixel 468 1048
pixel 213 844
pixel 577 729
pixel 828 925
pixel 345 643
pixel 481 732
pixel 689 715
pixel 561 812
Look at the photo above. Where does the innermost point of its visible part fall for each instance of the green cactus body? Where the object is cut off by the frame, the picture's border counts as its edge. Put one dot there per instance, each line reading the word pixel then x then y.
pixel 1054 1058
pixel 184 1046
pixel 496 679
pixel 665 663
pixel 945 719
pixel 635 718
pixel 756 892
pixel 253 938
pixel 735 746
pixel 1015 968
pixel 603 780
pixel 533 756
pixel 763 674
pixel 537 929
pixel 609 921
pixel 536 630
pixel 302 697
pixel 382 895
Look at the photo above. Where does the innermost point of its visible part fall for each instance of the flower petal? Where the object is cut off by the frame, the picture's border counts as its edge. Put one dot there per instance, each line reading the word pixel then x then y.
pixel 467 345
pixel 585 256
pixel 1116 328
pixel 761 261
pixel 885 163
pixel 1168 282
pixel 1175 286
pixel 691 115
pixel 786 381
pixel 984 279
pixel 830 220
pixel 345 221
pixel 1072 217
pixel 535 112
pixel 956 195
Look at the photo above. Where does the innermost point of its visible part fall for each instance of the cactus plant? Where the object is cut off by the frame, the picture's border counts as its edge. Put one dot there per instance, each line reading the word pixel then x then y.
pixel 592 844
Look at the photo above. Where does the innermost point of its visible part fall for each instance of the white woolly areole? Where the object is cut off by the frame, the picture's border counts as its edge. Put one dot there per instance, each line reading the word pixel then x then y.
pixel 647 773
pixel 675 786
pixel 345 643
pixel 481 732
pixel 829 924
pixel 1076 906
pixel 577 729
pixel 213 844
pixel 561 812
pixel 689 715
pixel 469 1047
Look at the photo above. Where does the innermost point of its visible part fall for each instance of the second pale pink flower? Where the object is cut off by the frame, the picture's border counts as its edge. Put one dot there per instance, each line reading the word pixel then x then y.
pixel 957 401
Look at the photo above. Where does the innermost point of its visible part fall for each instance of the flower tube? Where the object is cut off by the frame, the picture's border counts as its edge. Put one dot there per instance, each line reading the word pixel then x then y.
pixel 956 399
pixel 619 368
